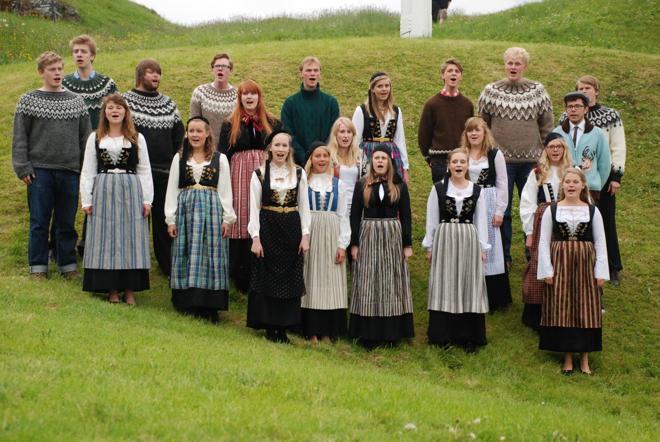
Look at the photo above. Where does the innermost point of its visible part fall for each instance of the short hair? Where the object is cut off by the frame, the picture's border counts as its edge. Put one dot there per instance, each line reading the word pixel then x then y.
pixel 590 80
pixel 142 67
pixel 84 39
pixel 574 96
pixel 46 59
pixel 447 62
pixel 516 52
pixel 307 60
pixel 222 55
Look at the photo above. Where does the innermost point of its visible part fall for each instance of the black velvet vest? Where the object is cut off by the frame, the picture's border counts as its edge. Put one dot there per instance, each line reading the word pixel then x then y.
pixel 270 197
pixel 371 128
pixel 487 176
pixel 561 231
pixel 447 204
pixel 210 174
pixel 128 159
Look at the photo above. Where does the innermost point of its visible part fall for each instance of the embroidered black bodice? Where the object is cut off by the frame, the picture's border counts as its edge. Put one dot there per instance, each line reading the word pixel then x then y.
pixel 488 175
pixel 447 204
pixel 371 128
pixel 210 173
pixel 127 160
pixel 270 197
pixel 562 232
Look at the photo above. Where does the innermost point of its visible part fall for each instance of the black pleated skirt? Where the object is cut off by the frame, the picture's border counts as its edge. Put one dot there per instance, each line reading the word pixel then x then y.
pixel 381 328
pixel 267 312
pixel 499 291
pixel 570 339
pixel 193 297
pixel 456 328
pixel 102 281
pixel 531 316
pixel 330 323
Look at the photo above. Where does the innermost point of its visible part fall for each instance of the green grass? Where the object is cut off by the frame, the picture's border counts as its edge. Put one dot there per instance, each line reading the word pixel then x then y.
pixel 77 368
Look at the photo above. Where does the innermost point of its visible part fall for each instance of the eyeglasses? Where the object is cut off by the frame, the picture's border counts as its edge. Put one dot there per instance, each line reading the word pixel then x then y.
pixel 556 147
pixel 575 106
pixel 222 66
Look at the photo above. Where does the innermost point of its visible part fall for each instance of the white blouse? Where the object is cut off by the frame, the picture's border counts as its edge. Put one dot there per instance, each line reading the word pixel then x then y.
pixel 572 215
pixel 433 214
pixel 323 183
pixel 529 197
pixel 282 179
pixel 114 146
pixel 399 135
pixel 501 182
pixel 224 188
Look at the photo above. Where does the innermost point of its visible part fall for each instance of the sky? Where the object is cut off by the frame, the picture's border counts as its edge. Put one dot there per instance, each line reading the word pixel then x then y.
pixel 197 11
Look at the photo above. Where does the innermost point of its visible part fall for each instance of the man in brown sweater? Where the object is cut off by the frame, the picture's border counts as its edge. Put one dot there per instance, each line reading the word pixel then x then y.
pixel 519 114
pixel 443 120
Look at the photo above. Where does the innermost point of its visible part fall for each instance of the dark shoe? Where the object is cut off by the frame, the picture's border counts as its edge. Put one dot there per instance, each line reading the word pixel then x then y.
pixel 39 276
pixel 614 278
pixel 271 335
pixel 282 337
pixel 72 275
pixel 470 348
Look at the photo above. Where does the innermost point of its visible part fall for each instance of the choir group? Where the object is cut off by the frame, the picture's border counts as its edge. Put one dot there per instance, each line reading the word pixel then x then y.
pixel 287 208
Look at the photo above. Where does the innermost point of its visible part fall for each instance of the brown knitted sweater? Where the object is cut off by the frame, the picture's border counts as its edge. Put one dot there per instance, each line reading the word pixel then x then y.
pixel 519 115
pixel 441 125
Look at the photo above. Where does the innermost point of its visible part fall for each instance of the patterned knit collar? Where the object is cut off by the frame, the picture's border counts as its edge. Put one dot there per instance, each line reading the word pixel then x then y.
pixel 446 93
pixel 52 105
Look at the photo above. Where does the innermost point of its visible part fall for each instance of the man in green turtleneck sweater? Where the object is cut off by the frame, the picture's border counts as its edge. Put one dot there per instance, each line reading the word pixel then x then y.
pixel 309 114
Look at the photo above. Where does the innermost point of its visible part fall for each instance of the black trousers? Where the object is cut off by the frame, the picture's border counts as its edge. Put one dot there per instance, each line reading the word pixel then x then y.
pixel 607 207
pixel 162 241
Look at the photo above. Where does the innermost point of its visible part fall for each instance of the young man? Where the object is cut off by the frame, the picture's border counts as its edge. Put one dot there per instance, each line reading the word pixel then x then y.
pixel 519 114
pixel 215 101
pixel 439 10
pixel 158 119
pixel 443 119
pixel 51 126
pixel 609 121
pixel 586 143
pixel 309 114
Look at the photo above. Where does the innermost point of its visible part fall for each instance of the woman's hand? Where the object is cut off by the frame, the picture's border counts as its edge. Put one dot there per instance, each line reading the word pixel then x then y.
pixel 549 280
pixel 429 256
pixel 304 244
pixel 528 241
pixel 497 220
pixel 354 253
pixel 600 282
pixel 340 255
pixel 225 230
pixel 146 210
pixel 483 256
pixel 172 230
pixel 407 253
pixel 405 176
pixel 87 210
pixel 256 248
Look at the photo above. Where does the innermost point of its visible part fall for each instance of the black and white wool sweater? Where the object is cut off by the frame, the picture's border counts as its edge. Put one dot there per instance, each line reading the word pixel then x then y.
pixel 92 90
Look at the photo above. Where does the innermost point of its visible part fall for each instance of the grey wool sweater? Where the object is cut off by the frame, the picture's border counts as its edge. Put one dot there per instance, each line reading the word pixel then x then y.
pixel 50 132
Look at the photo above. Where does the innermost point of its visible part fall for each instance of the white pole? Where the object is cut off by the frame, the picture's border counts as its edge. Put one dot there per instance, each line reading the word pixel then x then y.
pixel 416 18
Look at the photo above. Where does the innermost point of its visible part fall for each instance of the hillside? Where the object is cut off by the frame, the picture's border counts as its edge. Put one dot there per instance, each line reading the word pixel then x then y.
pixel 77 368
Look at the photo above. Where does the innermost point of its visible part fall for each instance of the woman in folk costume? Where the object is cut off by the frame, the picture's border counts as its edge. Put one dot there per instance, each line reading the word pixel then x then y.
pixel 116 190
pixel 487 168
pixel 242 140
pixel 541 189
pixel 573 265
pixel 456 241
pixel 381 244
pixel 379 122
pixel 346 155
pixel 198 213
pixel 279 226
pixel 326 298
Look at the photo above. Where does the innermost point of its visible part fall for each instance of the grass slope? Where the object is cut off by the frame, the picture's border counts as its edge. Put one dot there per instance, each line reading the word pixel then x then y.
pixel 78 368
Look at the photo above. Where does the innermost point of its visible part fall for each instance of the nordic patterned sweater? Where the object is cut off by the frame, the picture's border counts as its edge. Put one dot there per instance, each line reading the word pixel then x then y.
pixel 609 120
pixel 519 115
pixel 92 90
pixel 214 105
pixel 50 132
pixel 158 119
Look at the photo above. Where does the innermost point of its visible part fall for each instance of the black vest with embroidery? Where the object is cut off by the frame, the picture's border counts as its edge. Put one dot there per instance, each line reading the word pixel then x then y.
pixel 540 196
pixel 487 176
pixel 561 231
pixel 371 128
pixel 128 159
pixel 270 197
pixel 447 204
pixel 210 174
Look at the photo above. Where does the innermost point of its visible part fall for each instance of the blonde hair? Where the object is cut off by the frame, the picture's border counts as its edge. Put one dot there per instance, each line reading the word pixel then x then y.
pixel 486 144
pixel 46 59
pixel 544 166
pixel 127 127
pixel 86 40
pixel 289 159
pixel 369 103
pixel 307 60
pixel 333 145
pixel 516 53
pixel 584 194
pixel 590 80
pixel 371 178
pixel 309 170
pixel 463 151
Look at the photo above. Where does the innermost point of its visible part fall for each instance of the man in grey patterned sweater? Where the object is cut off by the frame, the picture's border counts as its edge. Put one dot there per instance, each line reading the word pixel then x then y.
pixel 51 126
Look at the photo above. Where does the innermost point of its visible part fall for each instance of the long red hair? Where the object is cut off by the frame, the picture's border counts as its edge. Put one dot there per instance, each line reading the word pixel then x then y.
pixel 249 86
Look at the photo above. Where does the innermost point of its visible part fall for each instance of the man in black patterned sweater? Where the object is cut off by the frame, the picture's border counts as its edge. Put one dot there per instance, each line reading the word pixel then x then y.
pixel 51 126
pixel 158 119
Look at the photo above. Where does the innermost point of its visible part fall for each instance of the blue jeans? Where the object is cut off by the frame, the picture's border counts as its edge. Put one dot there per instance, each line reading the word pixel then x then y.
pixel 517 173
pixel 53 192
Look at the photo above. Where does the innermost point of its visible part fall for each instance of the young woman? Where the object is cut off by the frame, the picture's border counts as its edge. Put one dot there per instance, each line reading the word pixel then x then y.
pixel 198 213
pixel 456 241
pixel 242 140
pixel 279 226
pixel 116 190
pixel 541 189
pixel 381 244
pixel 346 155
pixel 379 122
pixel 487 168
pixel 326 298
pixel 573 265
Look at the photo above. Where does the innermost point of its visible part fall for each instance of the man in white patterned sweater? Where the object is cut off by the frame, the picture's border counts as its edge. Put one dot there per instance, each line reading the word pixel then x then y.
pixel 215 101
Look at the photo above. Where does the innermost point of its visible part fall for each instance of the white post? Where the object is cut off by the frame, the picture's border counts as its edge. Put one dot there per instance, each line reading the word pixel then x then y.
pixel 416 18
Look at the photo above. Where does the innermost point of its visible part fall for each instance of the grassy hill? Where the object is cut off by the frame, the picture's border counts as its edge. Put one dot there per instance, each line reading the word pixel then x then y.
pixel 78 368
